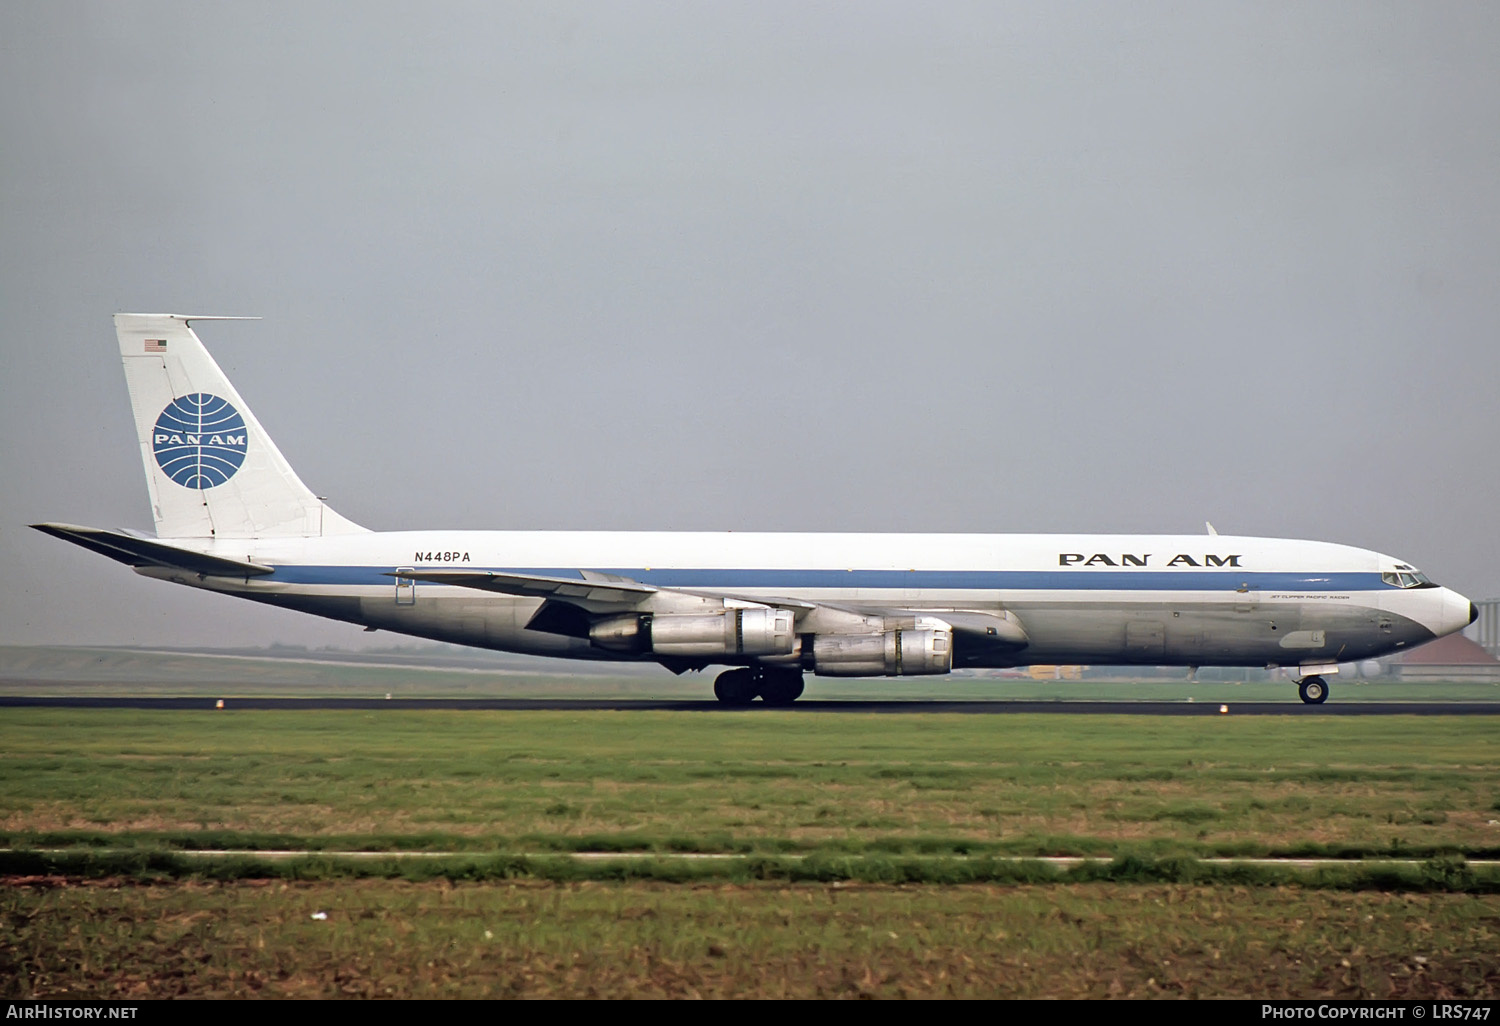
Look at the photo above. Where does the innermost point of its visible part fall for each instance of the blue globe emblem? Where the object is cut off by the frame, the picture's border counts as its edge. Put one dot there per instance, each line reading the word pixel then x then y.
pixel 199 441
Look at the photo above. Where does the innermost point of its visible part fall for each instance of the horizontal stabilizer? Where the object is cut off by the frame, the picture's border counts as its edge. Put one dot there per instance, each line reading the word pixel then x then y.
pixel 594 586
pixel 140 552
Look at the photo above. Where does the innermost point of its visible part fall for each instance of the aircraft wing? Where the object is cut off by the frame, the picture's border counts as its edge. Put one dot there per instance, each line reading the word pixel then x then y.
pixel 573 601
pixel 593 587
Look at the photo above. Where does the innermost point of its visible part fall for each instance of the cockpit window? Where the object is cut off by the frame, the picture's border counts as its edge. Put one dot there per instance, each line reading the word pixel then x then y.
pixel 1405 577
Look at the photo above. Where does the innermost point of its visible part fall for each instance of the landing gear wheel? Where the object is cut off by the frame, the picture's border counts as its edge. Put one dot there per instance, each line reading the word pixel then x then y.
pixel 1314 690
pixel 780 687
pixel 735 687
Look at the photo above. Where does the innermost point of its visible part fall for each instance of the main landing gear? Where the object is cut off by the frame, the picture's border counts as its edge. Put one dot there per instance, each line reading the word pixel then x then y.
pixel 772 686
pixel 1314 690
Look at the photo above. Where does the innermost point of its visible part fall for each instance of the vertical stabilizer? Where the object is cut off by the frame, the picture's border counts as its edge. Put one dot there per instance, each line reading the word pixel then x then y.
pixel 211 469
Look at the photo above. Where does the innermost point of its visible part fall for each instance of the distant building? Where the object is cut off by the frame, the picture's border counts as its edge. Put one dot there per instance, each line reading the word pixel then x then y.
pixel 1040 672
pixel 1454 658
pixel 1487 630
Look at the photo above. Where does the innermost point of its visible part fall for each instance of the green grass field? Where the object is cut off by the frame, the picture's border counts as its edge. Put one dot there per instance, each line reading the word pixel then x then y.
pixel 764 781
pixel 829 804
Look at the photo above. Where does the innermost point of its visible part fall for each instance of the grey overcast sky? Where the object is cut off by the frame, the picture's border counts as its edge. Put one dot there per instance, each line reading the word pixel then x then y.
pixel 760 266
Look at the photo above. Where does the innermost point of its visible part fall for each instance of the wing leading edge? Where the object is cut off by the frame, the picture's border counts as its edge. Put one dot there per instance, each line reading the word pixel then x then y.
pixel 592 587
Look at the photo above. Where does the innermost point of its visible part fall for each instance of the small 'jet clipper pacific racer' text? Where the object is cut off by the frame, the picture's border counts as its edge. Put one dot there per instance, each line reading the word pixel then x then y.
pixel 232 517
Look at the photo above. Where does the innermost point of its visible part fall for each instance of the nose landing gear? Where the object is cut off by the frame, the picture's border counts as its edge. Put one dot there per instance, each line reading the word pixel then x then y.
pixel 1313 690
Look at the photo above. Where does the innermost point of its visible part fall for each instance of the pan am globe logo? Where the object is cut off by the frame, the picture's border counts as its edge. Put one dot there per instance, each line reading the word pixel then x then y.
pixel 199 441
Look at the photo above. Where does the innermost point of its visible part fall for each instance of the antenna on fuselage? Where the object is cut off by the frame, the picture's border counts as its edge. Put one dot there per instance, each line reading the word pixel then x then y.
pixel 1210 528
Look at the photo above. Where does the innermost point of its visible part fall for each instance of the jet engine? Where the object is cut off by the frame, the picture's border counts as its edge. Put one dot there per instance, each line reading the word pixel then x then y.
pixel 733 632
pixel 903 652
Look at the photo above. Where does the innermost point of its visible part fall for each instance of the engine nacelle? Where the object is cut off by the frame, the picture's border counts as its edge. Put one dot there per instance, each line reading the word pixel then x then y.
pixel 734 632
pixel 622 633
pixel 899 653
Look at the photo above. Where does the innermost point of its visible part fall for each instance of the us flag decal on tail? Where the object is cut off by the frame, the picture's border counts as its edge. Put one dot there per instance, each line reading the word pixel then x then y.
pixel 156 345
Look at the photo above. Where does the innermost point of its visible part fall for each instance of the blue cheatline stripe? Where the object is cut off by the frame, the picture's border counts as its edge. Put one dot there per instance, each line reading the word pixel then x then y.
pixel 972 580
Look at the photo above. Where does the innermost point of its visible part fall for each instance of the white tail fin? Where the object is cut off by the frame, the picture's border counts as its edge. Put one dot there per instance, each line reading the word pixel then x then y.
pixel 211 469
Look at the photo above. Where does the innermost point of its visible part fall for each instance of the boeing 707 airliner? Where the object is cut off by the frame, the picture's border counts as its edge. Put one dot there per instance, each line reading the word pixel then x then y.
pixel 233 517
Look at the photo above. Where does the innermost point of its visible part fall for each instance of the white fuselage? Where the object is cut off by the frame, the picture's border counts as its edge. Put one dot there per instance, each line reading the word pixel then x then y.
pixel 1186 599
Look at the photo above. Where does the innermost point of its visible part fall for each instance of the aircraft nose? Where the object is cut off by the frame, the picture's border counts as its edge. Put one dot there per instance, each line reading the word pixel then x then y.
pixel 1458 611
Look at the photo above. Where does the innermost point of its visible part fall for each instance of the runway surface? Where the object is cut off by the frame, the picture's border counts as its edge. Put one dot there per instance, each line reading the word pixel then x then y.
pixel 997 707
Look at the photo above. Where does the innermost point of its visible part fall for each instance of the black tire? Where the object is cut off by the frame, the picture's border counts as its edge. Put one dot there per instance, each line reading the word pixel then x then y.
pixel 735 687
pixel 780 687
pixel 1313 690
